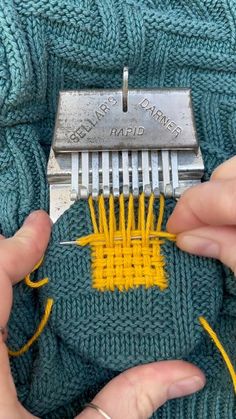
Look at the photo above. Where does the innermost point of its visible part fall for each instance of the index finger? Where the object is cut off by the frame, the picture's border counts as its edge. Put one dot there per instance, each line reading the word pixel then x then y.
pixel 211 203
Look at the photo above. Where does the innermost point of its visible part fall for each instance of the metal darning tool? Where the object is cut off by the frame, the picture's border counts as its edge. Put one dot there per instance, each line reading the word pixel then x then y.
pixel 113 141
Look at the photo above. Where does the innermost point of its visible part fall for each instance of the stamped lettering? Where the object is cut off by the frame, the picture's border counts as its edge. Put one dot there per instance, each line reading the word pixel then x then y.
pixel 127 132
pixel 160 117
pixel 89 123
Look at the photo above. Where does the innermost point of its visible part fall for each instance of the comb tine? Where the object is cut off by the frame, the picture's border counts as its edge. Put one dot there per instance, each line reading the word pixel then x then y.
pixel 174 170
pixel 145 173
pixel 125 169
pixel 155 173
pixel 166 173
pixel 74 176
pixel 95 175
pixel 105 174
pixel 115 173
pixel 84 190
pixel 135 183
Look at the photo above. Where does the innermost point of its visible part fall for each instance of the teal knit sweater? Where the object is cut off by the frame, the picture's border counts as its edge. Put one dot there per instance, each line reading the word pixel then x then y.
pixel 50 45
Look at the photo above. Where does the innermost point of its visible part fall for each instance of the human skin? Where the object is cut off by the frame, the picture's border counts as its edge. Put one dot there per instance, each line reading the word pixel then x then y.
pixel 205 217
pixel 205 223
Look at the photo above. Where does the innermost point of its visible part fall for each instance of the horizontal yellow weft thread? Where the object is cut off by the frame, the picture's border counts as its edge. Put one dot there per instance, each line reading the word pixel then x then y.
pixel 126 249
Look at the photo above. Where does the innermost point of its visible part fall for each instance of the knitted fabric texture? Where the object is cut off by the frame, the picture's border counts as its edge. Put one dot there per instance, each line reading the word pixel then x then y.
pixel 50 45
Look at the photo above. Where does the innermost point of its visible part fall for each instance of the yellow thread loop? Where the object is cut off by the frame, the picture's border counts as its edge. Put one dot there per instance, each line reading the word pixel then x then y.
pixel 32 284
pixel 126 254
pixel 111 219
pixel 219 346
pixel 38 332
pixel 38 284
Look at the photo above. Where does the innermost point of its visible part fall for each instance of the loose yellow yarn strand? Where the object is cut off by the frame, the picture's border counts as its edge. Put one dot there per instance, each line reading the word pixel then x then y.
pixel 32 284
pixel 38 284
pixel 38 332
pixel 220 347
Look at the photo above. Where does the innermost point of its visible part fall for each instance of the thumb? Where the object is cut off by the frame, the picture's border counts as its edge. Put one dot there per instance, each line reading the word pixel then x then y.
pixel 140 391
pixel 19 254
pixel 215 242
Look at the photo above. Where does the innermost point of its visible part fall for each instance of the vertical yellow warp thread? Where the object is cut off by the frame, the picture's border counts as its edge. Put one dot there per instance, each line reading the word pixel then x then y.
pixel 38 332
pixel 103 227
pixel 131 219
pixel 93 215
pixel 149 217
pixel 122 218
pixel 112 220
pixel 141 221
pixel 219 346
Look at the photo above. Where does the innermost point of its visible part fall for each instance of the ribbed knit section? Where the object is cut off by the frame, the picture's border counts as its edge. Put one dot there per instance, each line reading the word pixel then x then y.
pixel 50 45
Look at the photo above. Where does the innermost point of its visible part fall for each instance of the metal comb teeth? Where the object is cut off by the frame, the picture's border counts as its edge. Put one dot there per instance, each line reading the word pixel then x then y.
pixel 122 141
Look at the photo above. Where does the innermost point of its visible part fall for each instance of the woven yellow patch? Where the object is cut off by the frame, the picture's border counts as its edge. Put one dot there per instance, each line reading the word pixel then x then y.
pixel 126 253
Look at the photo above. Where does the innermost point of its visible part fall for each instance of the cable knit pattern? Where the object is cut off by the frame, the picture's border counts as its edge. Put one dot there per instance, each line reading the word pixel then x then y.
pixel 49 45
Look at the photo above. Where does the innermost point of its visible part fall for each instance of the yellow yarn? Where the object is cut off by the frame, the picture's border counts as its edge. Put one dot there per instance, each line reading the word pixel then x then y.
pixel 218 344
pixel 38 332
pixel 129 255
pixel 46 315
pixel 38 284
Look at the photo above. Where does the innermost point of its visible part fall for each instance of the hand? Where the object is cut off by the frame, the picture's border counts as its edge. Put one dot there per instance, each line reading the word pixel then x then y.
pixel 205 217
pixel 136 393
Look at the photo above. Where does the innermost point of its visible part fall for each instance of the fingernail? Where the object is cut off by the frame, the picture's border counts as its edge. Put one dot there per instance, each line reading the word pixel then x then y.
pixel 185 387
pixel 199 246
pixel 31 218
